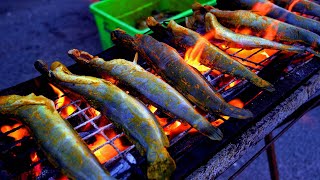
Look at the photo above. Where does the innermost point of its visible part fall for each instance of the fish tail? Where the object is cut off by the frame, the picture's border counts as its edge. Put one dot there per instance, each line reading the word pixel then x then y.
pixel 310 50
pixel 161 165
pixel 236 112
pixel 263 84
pixel 207 129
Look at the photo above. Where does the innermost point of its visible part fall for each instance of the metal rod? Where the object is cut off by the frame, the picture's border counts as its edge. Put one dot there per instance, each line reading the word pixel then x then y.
pixel 272 159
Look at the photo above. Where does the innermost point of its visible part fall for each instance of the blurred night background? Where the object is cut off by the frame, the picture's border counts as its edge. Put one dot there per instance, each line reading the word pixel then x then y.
pixel 47 29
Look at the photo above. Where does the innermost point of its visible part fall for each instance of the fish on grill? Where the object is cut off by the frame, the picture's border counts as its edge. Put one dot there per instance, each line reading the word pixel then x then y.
pixel 261 26
pixel 302 6
pixel 167 62
pixel 267 8
pixel 126 112
pixel 150 86
pixel 234 40
pixel 60 142
pixel 211 56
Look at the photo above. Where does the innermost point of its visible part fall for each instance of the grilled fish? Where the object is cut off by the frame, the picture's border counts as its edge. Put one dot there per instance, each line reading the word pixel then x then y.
pixel 267 8
pixel 167 62
pixel 125 112
pixel 211 56
pixel 62 145
pixel 153 88
pixel 217 31
pixel 263 26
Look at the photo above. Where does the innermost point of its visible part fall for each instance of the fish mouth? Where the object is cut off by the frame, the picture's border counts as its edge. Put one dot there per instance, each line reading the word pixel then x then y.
pixel 80 56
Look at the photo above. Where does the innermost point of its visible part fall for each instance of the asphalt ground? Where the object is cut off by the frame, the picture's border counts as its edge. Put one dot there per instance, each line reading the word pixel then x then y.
pixel 47 29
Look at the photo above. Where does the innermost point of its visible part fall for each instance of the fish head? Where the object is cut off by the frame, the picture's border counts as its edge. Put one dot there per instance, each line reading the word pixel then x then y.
pixel 81 57
pixel 184 38
pixel 121 38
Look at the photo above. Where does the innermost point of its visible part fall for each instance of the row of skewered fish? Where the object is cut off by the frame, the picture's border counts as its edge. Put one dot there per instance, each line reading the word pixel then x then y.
pixel 183 84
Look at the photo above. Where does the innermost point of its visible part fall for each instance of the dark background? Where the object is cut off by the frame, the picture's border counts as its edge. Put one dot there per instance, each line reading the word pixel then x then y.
pixel 47 29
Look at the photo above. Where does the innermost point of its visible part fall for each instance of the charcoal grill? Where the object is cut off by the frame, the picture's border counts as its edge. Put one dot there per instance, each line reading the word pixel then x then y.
pixel 295 77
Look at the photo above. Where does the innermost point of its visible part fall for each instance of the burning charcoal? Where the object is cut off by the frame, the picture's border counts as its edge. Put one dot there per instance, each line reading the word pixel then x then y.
pixel 125 112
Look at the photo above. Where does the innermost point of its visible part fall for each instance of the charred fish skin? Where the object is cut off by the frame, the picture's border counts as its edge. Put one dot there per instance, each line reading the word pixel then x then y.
pixel 211 56
pixel 62 145
pixel 168 63
pixel 152 87
pixel 126 112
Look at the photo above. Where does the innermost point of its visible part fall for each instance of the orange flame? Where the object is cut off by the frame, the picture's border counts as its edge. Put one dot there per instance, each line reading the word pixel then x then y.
pixel 152 108
pixel 271 31
pixel 62 101
pixel 217 123
pixel 193 54
pixel 18 134
pixel 262 8
pixel 107 152
pixel 176 128
pixel 292 5
pixel 37 168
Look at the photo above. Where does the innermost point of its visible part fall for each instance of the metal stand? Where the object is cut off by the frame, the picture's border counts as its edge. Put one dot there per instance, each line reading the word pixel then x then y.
pixel 272 159
pixel 269 139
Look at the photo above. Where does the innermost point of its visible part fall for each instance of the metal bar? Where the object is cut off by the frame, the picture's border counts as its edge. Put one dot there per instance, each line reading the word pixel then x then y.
pixel 272 159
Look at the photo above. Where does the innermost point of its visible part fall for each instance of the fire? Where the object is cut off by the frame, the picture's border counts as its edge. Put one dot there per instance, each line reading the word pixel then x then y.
pixel 235 102
pixel 193 54
pixel 18 134
pixel 152 108
pixel 294 2
pixel 176 128
pixel 244 31
pixel 37 168
pixel 63 101
pixel 262 8
pixel 271 31
pixel 107 151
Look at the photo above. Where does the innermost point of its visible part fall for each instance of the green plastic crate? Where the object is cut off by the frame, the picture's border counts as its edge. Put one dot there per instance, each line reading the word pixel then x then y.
pixel 112 14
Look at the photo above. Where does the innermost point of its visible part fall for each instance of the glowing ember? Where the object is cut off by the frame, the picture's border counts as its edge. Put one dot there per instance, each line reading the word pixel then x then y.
pixel 217 123
pixel 63 101
pixel 176 128
pixel 37 168
pixel 152 108
pixel 107 151
pixel 18 134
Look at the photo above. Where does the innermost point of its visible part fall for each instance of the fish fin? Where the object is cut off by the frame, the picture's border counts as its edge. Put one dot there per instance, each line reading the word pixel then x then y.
pixel 310 50
pixel 236 112
pixel 135 59
pixel 160 164
pixel 205 128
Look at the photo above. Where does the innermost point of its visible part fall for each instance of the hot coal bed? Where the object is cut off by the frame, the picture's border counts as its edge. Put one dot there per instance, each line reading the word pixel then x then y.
pixel 296 78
